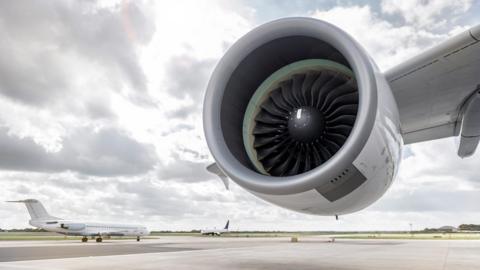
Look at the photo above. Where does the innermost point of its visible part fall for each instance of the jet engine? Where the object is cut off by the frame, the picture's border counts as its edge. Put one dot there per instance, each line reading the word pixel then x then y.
pixel 298 114
pixel 72 226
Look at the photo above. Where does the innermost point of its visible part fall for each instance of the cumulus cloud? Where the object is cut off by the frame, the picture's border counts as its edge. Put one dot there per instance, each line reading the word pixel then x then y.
pixel 107 152
pixel 189 76
pixel 187 80
pixel 80 78
pixel 187 50
pixel 64 63
pixel 387 43
pixel 49 45
pixel 186 169
pixel 429 13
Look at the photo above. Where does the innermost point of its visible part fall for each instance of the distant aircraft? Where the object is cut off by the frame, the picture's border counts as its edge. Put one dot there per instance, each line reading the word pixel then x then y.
pixel 214 231
pixel 41 219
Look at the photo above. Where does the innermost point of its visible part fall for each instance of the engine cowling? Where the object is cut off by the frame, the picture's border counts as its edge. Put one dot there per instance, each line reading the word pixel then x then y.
pixel 297 113
pixel 72 226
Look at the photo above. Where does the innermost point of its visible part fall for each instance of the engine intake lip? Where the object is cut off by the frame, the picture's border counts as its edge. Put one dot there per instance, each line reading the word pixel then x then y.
pixel 361 66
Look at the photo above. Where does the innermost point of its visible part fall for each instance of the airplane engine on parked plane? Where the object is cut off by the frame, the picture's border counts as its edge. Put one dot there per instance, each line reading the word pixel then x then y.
pixel 72 226
pixel 297 113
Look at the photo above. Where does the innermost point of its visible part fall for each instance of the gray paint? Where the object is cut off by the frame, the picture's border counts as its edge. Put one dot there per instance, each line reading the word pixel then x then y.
pixel 255 69
pixel 470 128
pixel 343 184
pixel 475 32
pixel 431 87
pixel 236 167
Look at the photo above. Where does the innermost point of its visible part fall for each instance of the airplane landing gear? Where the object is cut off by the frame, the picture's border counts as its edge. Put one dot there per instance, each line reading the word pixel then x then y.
pixel 138 238
pixel 84 239
pixel 99 240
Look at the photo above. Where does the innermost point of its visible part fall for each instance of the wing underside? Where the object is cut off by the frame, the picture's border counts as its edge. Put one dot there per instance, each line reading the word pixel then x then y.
pixel 437 89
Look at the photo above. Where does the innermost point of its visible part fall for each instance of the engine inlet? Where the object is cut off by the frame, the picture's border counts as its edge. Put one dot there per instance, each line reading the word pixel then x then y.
pixel 300 117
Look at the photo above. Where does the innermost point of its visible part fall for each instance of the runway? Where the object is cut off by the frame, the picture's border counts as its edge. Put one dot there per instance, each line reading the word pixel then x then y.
pixel 181 253
pixel 8 254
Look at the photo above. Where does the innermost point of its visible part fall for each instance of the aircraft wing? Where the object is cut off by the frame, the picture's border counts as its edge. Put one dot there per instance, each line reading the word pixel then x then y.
pixel 438 92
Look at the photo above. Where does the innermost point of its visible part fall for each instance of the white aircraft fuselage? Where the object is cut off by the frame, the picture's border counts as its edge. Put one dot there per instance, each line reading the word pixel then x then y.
pixel 40 218
pixel 216 231
pixel 80 228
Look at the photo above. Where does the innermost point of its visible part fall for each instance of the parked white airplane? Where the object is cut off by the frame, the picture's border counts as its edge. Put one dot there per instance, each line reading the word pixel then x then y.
pixel 297 113
pixel 41 219
pixel 215 231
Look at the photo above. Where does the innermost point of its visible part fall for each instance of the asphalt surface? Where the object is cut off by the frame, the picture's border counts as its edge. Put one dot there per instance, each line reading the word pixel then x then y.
pixel 9 254
pixel 181 253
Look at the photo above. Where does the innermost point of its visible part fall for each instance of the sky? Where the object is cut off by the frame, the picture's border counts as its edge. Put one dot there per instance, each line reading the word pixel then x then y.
pixel 101 112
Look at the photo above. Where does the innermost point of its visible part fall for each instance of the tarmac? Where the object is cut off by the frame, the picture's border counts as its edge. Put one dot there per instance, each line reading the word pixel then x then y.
pixel 242 253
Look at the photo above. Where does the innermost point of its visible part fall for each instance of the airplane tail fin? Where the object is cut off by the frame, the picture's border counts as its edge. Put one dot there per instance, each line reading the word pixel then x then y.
pixel 35 209
pixel 226 225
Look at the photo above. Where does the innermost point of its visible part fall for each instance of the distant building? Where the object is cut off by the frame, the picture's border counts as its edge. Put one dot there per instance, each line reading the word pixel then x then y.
pixel 448 229
pixel 444 229
pixel 469 227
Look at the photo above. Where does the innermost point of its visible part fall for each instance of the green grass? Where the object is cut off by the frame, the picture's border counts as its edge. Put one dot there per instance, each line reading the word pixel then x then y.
pixel 266 234
pixel 414 236
pixel 175 233
pixel 339 235
pixel 46 236
pixel 360 235
pixel 19 236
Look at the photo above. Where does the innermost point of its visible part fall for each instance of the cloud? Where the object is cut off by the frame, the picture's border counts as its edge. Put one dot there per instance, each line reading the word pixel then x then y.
pixel 424 200
pixel 189 76
pixel 438 161
pixel 99 109
pixel 65 64
pixel 107 152
pixel 185 169
pixel 426 13
pixel 433 179
pixel 387 43
pixel 52 51
pixel 187 50
pixel 105 100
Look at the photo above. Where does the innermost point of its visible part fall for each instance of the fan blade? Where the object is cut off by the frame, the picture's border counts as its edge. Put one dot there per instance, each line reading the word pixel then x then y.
pixel 307 87
pixel 342 119
pixel 337 92
pixel 341 129
pixel 297 88
pixel 266 129
pixel 287 94
pixel 273 109
pixel 264 140
pixel 268 118
pixel 265 151
pixel 337 138
pixel 282 167
pixel 349 109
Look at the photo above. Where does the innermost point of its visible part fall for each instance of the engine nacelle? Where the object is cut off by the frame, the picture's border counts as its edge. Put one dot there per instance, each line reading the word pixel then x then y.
pixel 298 114
pixel 72 226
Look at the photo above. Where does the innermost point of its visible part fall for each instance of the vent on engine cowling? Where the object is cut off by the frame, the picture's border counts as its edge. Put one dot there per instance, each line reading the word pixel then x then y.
pixel 300 117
